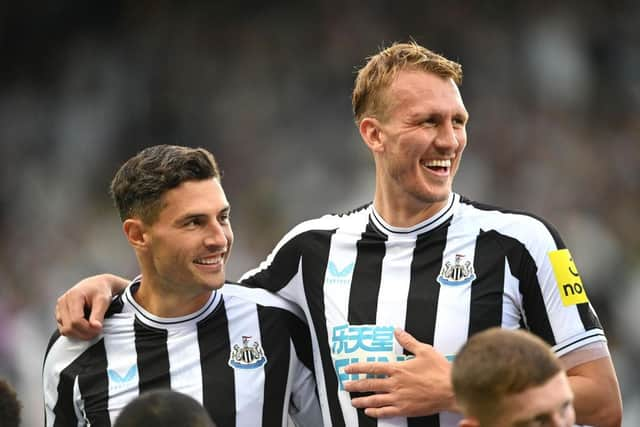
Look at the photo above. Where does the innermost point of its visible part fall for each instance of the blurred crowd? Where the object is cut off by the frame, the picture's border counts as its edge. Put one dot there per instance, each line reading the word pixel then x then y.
pixel 552 87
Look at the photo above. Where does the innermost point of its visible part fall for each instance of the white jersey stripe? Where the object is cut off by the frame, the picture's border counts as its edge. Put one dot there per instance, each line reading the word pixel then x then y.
pixel 394 283
pixel 79 407
pixel 337 283
pixel 392 297
pixel 122 364
pixel 185 376
pixel 512 300
pixel 247 332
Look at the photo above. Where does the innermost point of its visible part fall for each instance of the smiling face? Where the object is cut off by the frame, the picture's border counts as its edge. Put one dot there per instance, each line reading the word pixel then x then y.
pixel 417 144
pixel 189 243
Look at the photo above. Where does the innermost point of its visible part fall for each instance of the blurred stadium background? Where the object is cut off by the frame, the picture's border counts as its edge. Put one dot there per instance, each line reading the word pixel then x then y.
pixel 553 89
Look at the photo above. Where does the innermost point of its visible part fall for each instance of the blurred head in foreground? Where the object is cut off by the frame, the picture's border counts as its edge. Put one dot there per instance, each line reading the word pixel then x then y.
pixel 505 378
pixel 164 408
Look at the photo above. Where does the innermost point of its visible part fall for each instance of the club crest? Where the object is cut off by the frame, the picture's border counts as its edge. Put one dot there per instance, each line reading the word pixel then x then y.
pixel 458 273
pixel 247 356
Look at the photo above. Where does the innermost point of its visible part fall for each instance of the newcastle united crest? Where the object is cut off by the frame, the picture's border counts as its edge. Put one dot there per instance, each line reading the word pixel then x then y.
pixel 458 273
pixel 249 356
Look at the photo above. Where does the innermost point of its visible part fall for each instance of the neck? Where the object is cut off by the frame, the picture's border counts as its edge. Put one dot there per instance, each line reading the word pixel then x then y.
pixel 165 303
pixel 405 213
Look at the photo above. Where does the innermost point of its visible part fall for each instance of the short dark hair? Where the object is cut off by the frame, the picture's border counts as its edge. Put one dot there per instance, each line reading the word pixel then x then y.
pixel 496 363
pixel 164 408
pixel 10 406
pixel 138 186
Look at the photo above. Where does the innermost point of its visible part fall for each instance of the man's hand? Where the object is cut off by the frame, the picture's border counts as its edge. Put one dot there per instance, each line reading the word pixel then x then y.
pixel 92 293
pixel 416 387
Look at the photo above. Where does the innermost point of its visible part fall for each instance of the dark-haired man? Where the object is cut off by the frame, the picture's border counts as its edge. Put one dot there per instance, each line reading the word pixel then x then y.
pixel 242 353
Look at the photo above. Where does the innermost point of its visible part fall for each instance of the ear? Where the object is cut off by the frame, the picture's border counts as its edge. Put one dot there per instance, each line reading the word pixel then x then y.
pixel 134 231
pixel 371 133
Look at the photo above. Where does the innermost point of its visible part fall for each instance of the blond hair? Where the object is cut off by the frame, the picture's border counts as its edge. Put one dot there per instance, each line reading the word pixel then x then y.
pixel 381 69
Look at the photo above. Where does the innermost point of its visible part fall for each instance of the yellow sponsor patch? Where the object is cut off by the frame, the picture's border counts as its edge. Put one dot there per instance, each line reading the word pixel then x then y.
pixel 569 282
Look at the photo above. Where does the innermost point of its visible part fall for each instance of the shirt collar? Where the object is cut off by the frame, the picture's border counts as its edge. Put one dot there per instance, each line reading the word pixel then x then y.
pixel 152 320
pixel 442 216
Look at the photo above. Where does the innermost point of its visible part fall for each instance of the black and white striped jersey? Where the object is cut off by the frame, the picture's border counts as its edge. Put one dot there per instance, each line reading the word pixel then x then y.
pixel 463 270
pixel 245 356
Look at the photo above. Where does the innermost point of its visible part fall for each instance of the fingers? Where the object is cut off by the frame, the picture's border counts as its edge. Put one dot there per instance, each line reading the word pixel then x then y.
pixel 407 341
pixel 99 307
pixel 384 412
pixel 372 401
pixel 60 312
pixel 378 406
pixel 374 368
pixel 378 385
pixel 70 317
pixel 74 302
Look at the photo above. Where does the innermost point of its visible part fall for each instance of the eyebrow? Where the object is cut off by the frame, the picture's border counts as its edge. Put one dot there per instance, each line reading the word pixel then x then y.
pixel 419 115
pixel 195 215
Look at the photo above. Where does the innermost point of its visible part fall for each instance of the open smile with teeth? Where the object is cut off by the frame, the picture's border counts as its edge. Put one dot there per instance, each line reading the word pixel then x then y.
pixel 209 260
pixel 442 166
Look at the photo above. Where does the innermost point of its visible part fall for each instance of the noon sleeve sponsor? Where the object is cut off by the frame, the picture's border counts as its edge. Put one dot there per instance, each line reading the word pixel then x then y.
pixel 568 279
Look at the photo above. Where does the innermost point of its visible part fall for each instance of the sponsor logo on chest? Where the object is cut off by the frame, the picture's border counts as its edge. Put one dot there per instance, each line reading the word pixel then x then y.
pixel 362 343
pixel 336 275
pixel 120 382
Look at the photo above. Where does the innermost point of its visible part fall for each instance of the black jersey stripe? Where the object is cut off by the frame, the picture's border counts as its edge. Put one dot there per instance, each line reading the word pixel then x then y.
pixel 54 337
pixel 94 385
pixel 218 383
pixel 63 410
pixel 365 282
pixel 152 357
pixel 275 343
pixel 301 340
pixel 488 288
pixel 523 267
pixel 94 391
pixel 485 207
pixel 281 270
pixel 314 266
pixel 422 303
pixel 365 287
pixel 589 319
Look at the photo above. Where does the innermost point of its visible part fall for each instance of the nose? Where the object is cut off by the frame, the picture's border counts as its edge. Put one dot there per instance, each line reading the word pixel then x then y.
pixel 558 419
pixel 215 238
pixel 447 138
